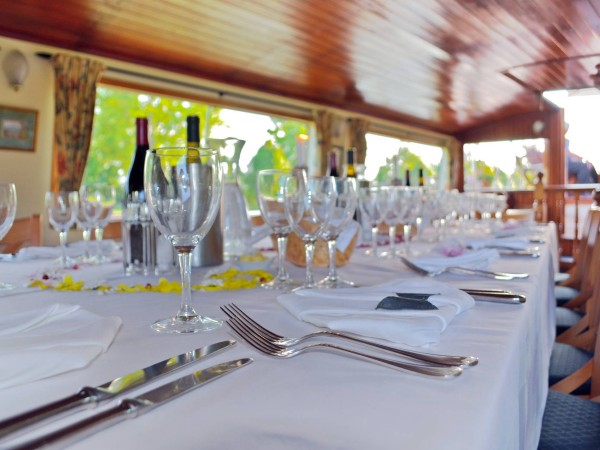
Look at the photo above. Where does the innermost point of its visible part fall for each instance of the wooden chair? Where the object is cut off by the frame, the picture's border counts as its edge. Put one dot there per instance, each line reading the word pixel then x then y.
pixel 576 289
pixel 573 349
pixel 113 231
pixel 572 422
pixel 25 232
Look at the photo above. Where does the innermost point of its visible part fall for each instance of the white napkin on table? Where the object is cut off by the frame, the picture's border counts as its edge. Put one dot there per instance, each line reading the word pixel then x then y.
pixel 475 259
pixel 353 310
pixel 37 343
pixel 513 243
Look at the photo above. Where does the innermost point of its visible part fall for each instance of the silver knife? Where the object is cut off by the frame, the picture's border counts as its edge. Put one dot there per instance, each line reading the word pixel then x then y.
pixel 495 295
pixel 89 397
pixel 130 408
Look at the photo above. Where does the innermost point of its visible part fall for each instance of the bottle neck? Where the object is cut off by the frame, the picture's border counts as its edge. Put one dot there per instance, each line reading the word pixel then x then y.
pixel 333 170
pixel 193 131
pixel 141 134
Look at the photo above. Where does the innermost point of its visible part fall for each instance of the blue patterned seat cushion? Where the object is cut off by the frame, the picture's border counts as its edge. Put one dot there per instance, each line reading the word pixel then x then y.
pixel 570 423
pixel 559 277
pixel 563 294
pixel 566 318
pixel 566 359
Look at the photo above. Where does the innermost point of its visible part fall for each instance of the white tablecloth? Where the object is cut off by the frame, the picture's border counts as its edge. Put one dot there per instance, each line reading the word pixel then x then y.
pixel 318 400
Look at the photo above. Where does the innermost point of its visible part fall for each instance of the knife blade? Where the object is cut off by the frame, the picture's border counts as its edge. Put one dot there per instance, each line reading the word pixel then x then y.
pixel 496 295
pixel 130 408
pixel 89 397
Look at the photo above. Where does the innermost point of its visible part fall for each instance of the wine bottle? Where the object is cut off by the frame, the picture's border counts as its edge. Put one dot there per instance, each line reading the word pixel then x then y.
pixel 137 256
pixel 350 168
pixel 407 178
pixel 333 165
pixel 421 177
pixel 135 180
pixel 209 251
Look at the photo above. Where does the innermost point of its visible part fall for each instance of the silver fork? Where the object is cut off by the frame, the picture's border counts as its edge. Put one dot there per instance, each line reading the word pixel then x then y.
pixel 462 270
pixel 234 312
pixel 264 346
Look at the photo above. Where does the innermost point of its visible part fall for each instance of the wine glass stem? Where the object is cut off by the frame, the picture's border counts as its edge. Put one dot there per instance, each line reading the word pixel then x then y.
pixel 392 234
pixel 186 311
pixel 99 231
pixel 87 235
pixel 374 234
pixel 281 251
pixel 331 248
pixel 406 231
pixel 62 237
pixel 309 248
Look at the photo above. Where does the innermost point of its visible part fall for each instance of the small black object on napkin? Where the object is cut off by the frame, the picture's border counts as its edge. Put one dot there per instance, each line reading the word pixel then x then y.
pixel 407 301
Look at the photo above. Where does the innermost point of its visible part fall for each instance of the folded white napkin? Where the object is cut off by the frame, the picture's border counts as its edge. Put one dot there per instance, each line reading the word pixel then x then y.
pixel 73 250
pixel 514 243
pixel 353 310
pixel 471 259
pixel 37 343
pixel 346 236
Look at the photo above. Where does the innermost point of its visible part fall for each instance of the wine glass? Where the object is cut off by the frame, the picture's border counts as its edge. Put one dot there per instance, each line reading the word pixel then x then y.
pixel 367 202
pixel 89 210
pixel 389 199
pixel 183 188
pixel 270 185
pixel 62 210
pixel 8 210
pixel 412 207
pixel 309 205
pixel 343 211
pixel 108 198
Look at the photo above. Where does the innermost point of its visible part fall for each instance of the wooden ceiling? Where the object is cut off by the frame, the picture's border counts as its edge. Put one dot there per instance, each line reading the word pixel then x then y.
pixel 446 65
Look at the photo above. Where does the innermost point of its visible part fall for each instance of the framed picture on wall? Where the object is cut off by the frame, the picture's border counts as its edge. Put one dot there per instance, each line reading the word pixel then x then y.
pixel 17 128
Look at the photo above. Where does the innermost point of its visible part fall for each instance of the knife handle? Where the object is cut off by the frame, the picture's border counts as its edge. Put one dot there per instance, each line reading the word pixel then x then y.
pixel 126 409
pixel 86 398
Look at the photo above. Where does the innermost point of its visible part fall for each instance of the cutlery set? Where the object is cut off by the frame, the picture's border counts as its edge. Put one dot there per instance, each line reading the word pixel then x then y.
pixel 278 346
pixel 127 408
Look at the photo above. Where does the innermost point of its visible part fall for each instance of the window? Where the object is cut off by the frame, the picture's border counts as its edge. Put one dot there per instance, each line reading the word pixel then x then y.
pixel 271 142
pixel 503 164
pixel 411 156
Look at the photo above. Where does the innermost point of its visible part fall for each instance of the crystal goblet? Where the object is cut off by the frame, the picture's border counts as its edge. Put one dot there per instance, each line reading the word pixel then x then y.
pixel 309 205
pixel 343 211
pixel 183 188
pixel 8 210
pixel 62 208
pixel 270 185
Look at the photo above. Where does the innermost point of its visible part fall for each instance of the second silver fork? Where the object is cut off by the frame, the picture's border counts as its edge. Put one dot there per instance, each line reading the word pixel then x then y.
pixel 261 344
pixel 233 311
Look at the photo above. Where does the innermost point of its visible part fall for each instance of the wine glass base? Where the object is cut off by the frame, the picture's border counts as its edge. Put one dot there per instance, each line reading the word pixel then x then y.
pixel 66 263
pixel 337 283
pixel 179 324
pixel 6 286
pixel 281 284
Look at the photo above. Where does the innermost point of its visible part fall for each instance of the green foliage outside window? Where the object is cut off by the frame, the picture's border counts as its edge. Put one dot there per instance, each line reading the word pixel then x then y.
pixel 113 137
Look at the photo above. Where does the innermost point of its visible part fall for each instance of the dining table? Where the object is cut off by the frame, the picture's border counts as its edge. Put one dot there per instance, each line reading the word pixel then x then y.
pixel 320 399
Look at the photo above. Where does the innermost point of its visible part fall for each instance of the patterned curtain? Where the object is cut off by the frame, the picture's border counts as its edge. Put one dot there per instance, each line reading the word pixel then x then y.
pixel 324 121
pixel 357 130
pixel 75 96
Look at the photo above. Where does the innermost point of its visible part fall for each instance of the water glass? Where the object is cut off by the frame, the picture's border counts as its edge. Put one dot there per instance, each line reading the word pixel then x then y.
pixel 309 204
pixel 62 208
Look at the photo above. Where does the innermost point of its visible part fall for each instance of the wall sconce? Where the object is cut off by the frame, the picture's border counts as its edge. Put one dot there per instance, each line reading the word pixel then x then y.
pixel 15 68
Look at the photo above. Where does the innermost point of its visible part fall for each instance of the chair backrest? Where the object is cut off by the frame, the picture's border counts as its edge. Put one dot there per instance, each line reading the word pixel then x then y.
pixel 586 246
pixel 25 232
